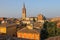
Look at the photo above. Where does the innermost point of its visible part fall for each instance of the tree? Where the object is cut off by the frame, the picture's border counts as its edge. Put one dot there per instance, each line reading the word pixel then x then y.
pixel 44 32
pixel 51 28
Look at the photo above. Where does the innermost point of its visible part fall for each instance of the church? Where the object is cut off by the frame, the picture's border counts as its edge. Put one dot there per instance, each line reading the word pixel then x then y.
pixel 33 25
pixel 25 19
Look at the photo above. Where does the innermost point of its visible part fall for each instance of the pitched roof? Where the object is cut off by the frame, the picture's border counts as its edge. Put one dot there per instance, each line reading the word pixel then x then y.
pixel 26 30
pixel 7 25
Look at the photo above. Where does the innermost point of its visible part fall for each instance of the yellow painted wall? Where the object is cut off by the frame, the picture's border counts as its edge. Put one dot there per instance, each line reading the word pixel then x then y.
pixel 29 36
pixel 2 29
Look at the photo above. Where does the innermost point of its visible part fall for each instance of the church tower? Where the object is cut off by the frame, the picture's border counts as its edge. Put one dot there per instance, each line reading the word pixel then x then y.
pixel 23 12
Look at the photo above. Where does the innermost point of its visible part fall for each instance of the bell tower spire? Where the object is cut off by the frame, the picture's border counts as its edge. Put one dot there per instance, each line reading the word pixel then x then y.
pixel 23 5
pixel 23 12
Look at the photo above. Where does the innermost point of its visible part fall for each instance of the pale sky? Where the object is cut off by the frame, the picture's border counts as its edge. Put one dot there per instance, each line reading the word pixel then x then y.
pixel 13 8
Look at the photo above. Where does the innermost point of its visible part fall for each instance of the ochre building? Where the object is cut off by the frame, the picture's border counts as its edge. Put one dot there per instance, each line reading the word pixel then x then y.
pixel 8 29
pixel 29 33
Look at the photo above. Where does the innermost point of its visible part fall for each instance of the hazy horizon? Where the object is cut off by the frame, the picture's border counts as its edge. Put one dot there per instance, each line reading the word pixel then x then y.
pixel 13 8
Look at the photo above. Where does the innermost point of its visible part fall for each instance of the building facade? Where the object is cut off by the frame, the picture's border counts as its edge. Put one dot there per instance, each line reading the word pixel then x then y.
pixel 29 33
pixel 8 29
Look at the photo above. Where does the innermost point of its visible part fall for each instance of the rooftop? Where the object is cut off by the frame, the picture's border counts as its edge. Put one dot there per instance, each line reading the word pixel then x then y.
pixel 6 25
pixel 26 30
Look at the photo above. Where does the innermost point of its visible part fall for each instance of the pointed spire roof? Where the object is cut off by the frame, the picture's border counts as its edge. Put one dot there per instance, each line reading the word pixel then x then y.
pixel 23 5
